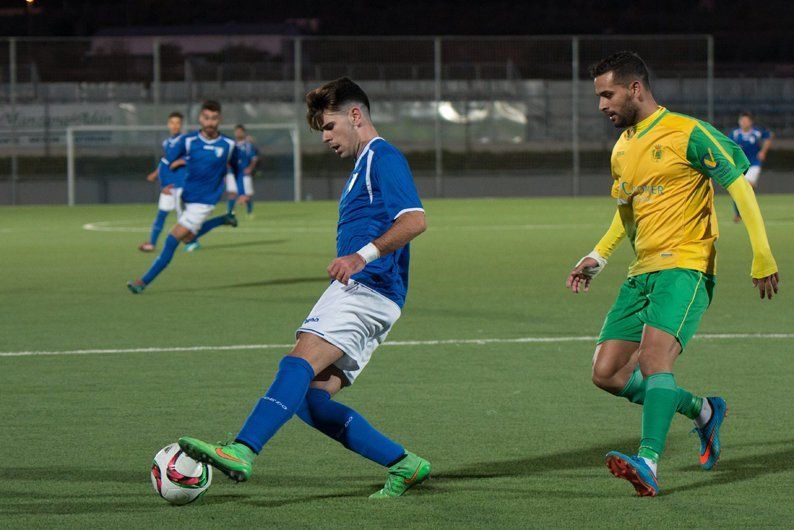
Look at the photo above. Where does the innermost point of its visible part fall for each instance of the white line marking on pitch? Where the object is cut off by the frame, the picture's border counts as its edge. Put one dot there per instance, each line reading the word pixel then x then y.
pixel 108 226
pixel 520 340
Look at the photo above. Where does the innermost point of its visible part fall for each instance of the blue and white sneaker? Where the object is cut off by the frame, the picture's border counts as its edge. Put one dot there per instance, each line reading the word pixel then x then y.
pixel 635 470
pixel 710 434
pixel 192 246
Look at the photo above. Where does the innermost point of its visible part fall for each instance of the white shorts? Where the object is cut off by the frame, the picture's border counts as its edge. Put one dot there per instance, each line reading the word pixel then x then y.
pixel 752 175
pixel 194 215
pixel 248 184
pixel 172 201
pixel 355 319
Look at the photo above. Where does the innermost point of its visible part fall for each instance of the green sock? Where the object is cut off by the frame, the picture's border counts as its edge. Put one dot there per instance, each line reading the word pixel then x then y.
pixel 661 400
pixel 634 390
pixel 688 404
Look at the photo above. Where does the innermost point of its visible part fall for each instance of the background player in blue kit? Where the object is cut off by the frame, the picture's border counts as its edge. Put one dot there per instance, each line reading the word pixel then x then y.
pixel 207 154
pixel 755 142
pixel 242 184
pixel 246 154
pixel 379 214
pixel 171 181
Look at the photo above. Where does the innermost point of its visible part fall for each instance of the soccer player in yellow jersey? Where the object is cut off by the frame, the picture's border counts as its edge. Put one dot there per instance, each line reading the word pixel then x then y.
pixel 663 166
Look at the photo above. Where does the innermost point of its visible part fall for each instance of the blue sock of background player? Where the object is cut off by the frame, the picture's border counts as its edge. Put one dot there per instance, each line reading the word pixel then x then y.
pixel 230 205
pixel 215 222
pixel 348 427
pixel 162 260
pixel 250 205
pixel 157 226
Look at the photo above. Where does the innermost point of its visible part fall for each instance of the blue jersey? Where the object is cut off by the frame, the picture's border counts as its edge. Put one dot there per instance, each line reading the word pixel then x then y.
pixel 246 152
pixel 379 190
pixel 751 142
pixel 164 173
pixel 207 164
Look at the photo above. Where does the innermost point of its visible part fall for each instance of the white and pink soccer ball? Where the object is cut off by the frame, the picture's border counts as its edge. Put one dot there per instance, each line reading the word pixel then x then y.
pixel 178 478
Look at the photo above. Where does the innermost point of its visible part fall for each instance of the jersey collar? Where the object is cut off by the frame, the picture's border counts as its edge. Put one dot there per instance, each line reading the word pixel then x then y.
pixel 366 148
pixel 207 140
pixel 648 123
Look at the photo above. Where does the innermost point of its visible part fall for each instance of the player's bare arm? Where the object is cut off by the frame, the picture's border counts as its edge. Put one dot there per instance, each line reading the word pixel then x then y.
pixel 177 164
pixel 591 265
pixel 765 148
pixel 250 169
pixel 405 228
pixel 151 177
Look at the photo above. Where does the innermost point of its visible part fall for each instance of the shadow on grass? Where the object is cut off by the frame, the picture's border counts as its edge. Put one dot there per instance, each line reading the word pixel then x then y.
pixel 573 460
pixel 263 283
pixel 748 467
pixel 211 246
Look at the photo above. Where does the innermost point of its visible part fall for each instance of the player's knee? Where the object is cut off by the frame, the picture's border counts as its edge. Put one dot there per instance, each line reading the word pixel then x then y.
pixel 604 377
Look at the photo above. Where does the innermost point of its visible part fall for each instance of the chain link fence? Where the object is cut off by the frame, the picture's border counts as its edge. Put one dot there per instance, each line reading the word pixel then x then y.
pixel 476 116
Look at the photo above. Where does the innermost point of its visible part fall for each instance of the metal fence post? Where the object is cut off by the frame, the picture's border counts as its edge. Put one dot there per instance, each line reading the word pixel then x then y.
pixel 12 78
pixel 70 170
pixel 156 72
pixel 298 102
pixel 575 114
pixel 437 117
pixel 710 78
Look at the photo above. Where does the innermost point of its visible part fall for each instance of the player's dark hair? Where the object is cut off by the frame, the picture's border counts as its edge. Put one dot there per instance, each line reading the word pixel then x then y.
pixel 240 126
pixel 211 105
pixel 332 96
pixel 746 113
pixel 176 115
pixel 625 66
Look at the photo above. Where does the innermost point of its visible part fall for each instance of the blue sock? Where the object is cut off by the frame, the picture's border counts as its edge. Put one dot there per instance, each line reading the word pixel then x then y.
pixel 281 401
pixel 157 226
pixel 215 222
pixel 162 261
pixel 230 205
pixel 348 427
pixel 250 205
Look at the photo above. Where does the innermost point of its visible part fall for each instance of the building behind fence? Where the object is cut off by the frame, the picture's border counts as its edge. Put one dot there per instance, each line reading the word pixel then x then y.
pixel 476 116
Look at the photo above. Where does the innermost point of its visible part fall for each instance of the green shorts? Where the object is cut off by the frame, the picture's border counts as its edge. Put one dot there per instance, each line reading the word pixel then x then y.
pixel 672 300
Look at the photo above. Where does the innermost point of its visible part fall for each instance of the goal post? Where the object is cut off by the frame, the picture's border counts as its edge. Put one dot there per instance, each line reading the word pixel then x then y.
pixel 141 143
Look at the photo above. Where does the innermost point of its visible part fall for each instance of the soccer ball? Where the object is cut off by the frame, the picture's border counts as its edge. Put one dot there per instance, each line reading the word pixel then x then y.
pixel 178 478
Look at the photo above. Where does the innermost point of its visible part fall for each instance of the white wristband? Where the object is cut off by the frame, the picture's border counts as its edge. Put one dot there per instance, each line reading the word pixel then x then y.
pixel 593 271
pixel 369 252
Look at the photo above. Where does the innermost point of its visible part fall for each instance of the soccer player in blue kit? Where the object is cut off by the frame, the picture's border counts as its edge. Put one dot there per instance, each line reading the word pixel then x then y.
pixel 207 155
pixel 379 214
pixel 171 181
pixel 755 142
pixel 247 157
pixel 242 184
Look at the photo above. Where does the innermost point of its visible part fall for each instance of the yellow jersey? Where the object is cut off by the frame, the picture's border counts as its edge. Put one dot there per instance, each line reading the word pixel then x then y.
pixel 662 169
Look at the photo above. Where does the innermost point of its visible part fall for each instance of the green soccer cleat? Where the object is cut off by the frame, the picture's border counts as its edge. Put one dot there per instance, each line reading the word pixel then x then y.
pixel 136 286
pixel 192 246
pixel 233 460
pixel 406 473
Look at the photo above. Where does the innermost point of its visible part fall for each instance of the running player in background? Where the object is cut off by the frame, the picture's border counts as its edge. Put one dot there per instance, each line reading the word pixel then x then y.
pixel 246 162
pixel 208 155
pixel 171 181
pixel 755 142
pixel 379 214
pixel 663 165
pixel 247 158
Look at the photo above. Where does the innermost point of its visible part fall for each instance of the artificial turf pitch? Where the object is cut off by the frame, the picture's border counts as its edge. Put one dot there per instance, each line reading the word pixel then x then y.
pixel 515 430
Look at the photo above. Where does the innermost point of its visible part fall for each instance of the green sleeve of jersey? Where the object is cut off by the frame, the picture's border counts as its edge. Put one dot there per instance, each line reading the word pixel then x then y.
pixel 715 155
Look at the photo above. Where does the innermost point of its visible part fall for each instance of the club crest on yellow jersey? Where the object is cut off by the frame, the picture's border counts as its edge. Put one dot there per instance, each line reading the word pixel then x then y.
pixel 656 153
